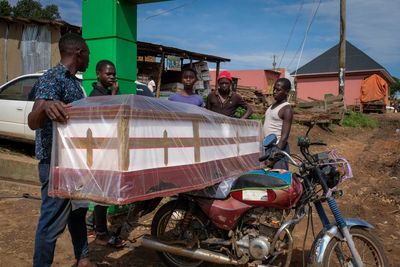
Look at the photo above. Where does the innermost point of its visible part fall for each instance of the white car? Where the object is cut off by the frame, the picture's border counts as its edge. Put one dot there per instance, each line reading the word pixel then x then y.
pixel 15 107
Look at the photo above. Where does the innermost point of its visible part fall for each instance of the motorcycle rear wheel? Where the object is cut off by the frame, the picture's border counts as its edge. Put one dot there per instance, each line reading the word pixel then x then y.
pixel 368 246
pixel 167 226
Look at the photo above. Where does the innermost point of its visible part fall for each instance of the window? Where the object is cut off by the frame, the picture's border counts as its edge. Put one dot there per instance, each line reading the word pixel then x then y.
pixel 18 90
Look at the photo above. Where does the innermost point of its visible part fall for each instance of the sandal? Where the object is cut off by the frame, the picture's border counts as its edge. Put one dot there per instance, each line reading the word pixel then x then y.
pixel 113 241
pixel 91 234
pixel 116 242
pixel 102 239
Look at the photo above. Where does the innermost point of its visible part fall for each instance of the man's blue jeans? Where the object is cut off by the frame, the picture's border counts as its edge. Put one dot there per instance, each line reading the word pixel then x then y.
pixel 55 214
pixel 284 162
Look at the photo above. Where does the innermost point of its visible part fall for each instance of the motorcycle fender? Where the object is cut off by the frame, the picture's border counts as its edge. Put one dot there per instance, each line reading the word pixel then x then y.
pixel 323 238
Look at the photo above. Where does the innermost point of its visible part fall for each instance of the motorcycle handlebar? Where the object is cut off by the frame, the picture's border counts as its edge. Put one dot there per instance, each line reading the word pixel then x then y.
pixel 263 158
pixel 278 155
pixel 318 144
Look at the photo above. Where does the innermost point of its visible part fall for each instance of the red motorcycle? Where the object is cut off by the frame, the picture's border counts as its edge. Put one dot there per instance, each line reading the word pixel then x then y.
pixel 249 220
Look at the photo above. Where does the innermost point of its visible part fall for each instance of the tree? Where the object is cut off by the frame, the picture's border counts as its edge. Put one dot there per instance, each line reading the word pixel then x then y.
pixel 395 86
pixel 5 8
pixel 50 12
pixel 33 10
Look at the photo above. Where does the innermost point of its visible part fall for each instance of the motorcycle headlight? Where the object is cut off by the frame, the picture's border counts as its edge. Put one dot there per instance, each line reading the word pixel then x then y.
pixel 332 175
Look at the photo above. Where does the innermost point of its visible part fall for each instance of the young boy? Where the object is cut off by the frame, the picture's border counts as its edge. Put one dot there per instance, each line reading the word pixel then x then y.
pixel 189 78
pixel 278 119
pixel 224 100
pixel 106 85
pixel 106 79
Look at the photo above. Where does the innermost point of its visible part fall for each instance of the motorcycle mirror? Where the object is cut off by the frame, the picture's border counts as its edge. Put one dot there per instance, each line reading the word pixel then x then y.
pixel 270 140
pixel 310 126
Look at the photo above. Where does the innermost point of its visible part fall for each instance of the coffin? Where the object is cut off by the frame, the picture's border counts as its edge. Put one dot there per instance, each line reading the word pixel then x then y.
pixel 127 148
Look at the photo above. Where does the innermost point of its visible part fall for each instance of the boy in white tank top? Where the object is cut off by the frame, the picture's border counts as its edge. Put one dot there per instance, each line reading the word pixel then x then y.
pixel 278 119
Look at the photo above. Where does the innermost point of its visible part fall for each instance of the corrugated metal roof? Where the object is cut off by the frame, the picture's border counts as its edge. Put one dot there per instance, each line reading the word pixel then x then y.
pixel 150 49
pixel 59 23
pixel 328 63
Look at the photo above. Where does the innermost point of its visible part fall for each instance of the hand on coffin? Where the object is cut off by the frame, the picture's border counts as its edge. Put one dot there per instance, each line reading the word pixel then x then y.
pixel 56 111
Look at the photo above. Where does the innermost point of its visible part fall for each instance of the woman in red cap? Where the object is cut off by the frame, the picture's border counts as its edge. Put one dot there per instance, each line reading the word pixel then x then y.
pixel 224 100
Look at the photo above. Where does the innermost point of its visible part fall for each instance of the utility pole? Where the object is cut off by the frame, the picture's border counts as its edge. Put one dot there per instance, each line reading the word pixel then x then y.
pixel 342 47
pixel 274 63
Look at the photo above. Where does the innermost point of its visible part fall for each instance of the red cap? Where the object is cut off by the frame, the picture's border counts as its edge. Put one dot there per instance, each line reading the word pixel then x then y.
pixel 224 74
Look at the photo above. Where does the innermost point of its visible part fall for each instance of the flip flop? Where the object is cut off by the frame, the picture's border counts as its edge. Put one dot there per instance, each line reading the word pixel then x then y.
pixel 116 242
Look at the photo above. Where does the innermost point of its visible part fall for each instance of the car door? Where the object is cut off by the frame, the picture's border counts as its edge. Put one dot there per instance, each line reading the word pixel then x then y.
pixel 15 107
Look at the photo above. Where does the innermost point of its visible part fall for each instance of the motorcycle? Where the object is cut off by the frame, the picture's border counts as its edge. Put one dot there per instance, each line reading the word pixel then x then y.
pixel 250 220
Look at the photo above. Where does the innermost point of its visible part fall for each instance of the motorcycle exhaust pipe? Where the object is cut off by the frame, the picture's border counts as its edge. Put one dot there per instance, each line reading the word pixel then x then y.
pixel 198 254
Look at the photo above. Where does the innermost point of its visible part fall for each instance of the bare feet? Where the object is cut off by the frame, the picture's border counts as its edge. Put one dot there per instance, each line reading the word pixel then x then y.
pixel 86 263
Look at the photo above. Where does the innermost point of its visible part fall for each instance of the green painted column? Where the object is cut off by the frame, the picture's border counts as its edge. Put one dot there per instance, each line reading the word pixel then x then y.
pixel 109 27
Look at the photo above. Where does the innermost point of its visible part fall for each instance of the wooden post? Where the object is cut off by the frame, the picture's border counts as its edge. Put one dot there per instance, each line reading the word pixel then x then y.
pixel 216 75
pixel 160 74
pixel 342 47
pixel 123 141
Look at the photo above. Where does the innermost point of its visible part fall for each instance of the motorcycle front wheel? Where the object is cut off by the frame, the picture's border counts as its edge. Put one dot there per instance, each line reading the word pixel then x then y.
pixel 368 246
pixel 168 227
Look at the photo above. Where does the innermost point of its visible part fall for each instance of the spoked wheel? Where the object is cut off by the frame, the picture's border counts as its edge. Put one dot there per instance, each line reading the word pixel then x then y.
pixel 368 246
pixel 168 226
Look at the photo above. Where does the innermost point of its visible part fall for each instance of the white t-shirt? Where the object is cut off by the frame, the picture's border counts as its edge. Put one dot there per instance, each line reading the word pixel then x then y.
pixel 151 85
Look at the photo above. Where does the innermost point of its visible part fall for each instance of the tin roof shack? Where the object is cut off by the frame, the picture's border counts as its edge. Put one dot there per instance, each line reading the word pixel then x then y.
pixel 320 76
pixel 164 64
pixel 29 45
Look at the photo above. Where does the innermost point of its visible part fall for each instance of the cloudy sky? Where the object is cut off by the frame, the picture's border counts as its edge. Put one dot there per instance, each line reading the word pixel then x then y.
pixel 254 32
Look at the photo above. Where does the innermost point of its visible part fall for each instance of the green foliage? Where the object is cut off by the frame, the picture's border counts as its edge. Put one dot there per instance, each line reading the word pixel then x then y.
pixel 33 10
pixel 395 87
pixel 5 8
pixel 255 116
pixel 357 119
pixel 50 12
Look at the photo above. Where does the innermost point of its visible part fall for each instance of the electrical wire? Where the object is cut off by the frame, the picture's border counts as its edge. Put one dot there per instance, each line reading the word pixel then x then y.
pixel 291 33
pixel 301 47
pixel 168 10
pixel 305 36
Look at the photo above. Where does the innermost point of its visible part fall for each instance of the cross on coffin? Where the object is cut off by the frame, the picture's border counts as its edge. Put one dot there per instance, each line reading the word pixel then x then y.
pixel 123 143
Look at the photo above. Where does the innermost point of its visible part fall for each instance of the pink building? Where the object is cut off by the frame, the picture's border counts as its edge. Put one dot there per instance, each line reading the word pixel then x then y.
pixel 261 80
pixel 320 75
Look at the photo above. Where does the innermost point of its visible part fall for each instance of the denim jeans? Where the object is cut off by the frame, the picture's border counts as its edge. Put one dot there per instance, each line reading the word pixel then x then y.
pixel 55 215
pixel 284 162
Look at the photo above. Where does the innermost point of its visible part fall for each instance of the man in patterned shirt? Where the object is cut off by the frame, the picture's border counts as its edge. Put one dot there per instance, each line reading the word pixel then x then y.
pixel 53 93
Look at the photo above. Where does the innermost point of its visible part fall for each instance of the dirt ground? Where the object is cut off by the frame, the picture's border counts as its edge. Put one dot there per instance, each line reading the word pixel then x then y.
pixel 373 195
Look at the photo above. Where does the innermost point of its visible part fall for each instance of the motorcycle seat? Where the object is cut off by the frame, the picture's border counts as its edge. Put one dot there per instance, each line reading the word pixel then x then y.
pixel 263 179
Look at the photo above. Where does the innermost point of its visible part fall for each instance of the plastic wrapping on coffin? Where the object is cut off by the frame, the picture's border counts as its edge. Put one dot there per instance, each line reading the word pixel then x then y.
pixel 122 149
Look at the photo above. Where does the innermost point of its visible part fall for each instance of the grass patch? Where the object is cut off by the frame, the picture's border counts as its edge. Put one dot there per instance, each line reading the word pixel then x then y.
pixel 359 120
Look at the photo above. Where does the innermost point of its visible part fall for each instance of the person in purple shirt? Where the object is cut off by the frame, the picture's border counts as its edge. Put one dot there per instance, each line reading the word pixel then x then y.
pixel 189 78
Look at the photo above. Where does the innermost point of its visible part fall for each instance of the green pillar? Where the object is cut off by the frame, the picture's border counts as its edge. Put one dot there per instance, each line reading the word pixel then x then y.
pixel 109 27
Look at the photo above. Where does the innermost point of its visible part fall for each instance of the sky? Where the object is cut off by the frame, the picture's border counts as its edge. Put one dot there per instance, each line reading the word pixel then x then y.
pixel 254 33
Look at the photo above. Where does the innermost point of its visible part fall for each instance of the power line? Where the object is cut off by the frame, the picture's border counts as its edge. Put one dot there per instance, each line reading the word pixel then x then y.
pixel 301 47
pixel 291 33
pixel 168 10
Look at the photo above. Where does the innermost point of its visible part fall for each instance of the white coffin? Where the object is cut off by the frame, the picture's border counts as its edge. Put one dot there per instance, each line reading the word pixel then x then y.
pixel 122 149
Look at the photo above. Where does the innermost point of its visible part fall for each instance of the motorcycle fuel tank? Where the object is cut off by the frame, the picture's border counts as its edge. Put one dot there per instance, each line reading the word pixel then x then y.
pixel 268 188
pixel 223 213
